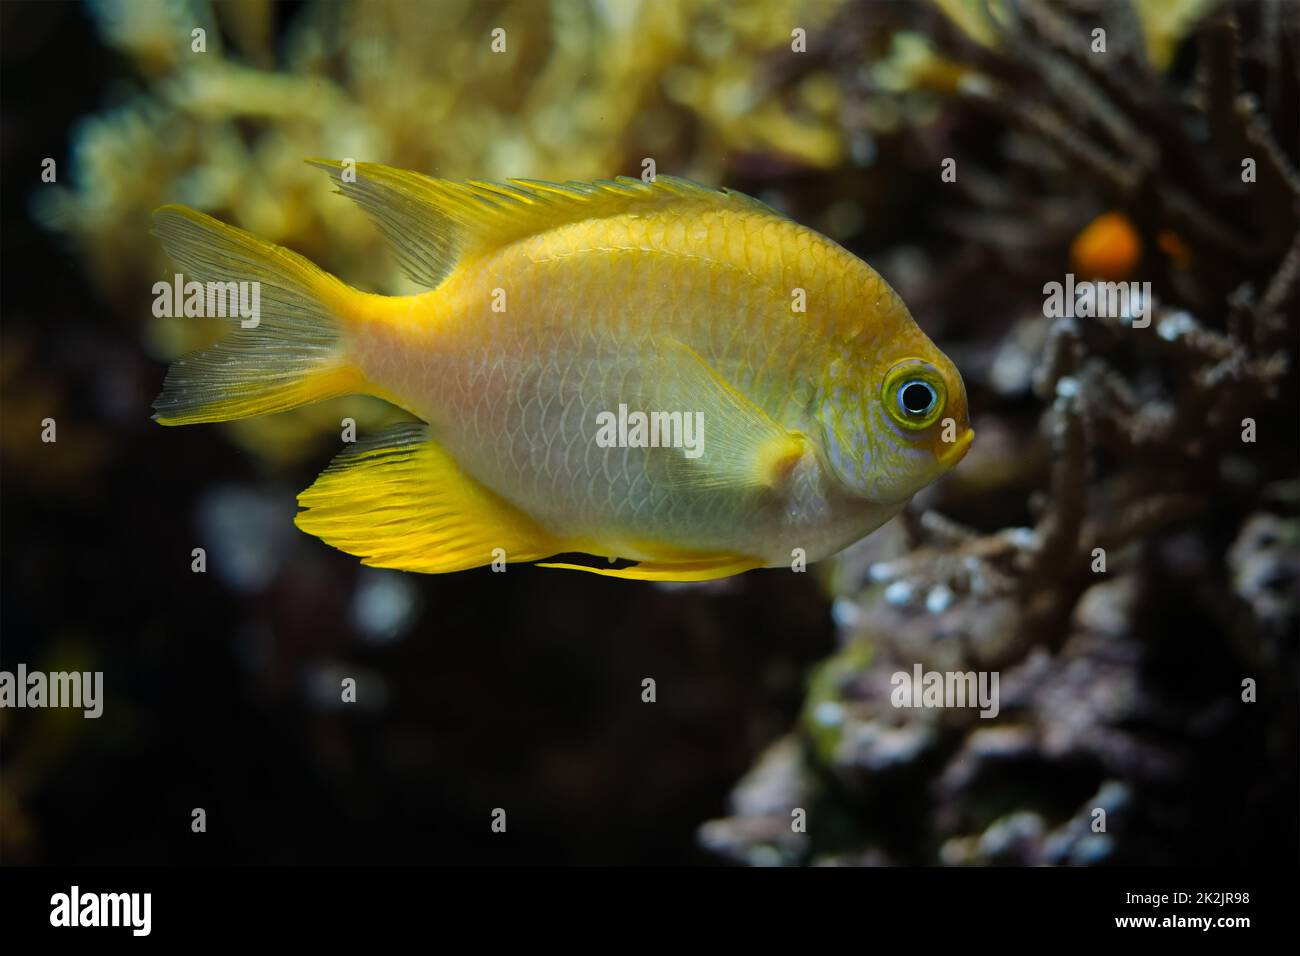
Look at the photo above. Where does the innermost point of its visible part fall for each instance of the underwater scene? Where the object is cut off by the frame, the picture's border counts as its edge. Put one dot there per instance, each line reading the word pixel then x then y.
pixel 782 433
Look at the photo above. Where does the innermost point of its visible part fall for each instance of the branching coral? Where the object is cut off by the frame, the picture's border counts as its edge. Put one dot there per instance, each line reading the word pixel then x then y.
pixel 1164 444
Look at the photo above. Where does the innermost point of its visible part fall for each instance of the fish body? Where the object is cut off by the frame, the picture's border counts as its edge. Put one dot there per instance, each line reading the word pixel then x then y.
pixel 761 352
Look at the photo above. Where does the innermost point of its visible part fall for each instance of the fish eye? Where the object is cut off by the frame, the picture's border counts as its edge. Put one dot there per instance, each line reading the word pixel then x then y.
pixel 916 397
pixel 913 394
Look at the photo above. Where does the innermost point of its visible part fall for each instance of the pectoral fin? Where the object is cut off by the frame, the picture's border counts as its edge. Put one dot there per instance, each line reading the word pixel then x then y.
pixel 740 446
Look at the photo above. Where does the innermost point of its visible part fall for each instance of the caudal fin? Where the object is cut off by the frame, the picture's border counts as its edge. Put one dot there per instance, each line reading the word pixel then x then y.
pixel 291 353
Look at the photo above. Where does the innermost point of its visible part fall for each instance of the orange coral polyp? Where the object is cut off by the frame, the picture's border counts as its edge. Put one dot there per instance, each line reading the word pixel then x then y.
pixel 1108 248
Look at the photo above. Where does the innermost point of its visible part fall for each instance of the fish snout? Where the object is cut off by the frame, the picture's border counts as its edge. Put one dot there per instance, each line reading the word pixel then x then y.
pixel 949 453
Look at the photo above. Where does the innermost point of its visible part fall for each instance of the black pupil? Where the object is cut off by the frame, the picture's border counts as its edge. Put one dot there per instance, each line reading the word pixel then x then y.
pixel 917 398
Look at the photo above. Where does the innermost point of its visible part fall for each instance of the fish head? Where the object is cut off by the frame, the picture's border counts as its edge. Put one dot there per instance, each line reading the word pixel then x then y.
pixel 896 420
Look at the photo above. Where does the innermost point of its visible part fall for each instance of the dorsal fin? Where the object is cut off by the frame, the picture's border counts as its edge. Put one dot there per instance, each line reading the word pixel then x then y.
pixel 431 224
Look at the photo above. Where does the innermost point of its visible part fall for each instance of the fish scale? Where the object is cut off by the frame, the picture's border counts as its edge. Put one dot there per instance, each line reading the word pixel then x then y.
pixel 587 326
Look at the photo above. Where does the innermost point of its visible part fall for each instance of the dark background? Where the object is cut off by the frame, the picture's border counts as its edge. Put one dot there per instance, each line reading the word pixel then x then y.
pixel 520 691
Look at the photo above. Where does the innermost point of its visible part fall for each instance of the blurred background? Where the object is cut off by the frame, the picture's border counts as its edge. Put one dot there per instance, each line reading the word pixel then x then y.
pixel 1121 688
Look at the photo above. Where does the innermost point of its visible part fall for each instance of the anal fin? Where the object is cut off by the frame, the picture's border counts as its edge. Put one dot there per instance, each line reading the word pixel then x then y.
pixel 398 500
pixel 701 569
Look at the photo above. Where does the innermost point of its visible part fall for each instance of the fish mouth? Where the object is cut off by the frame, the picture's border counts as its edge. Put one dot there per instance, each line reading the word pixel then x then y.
pixel 956 451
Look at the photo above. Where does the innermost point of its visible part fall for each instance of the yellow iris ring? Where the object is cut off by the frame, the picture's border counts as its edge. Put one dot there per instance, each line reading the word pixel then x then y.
pixel 913 370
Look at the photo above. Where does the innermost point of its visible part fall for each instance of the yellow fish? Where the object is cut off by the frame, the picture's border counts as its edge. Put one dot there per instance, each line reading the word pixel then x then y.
pixel 660 372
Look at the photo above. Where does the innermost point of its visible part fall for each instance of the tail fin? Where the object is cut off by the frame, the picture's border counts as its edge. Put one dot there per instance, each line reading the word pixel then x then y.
pixel 293 354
